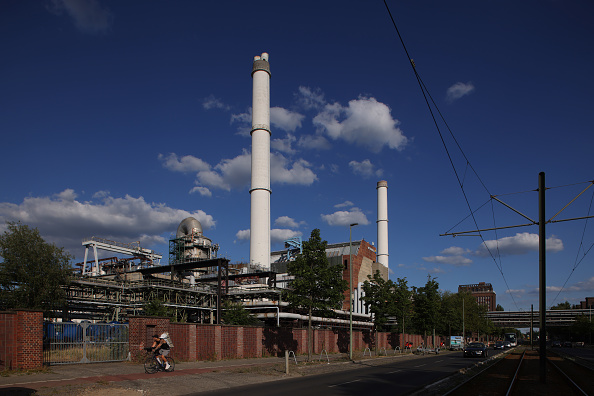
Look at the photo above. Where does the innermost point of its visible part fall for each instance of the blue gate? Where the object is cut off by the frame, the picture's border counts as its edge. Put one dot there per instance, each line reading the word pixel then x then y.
pixel 67 342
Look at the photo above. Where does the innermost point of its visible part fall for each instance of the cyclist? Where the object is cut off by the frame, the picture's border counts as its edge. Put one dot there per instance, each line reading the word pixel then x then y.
pixel 161 348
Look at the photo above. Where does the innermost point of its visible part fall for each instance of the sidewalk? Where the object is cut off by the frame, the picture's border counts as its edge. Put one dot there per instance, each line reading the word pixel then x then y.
pixel 77 374
pixel 127 378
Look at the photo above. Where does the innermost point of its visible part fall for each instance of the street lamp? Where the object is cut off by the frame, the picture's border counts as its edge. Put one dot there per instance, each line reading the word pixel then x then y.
pixel 351 290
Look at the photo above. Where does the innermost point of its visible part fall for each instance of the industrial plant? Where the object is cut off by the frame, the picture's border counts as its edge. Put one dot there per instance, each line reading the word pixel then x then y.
pixel 194 281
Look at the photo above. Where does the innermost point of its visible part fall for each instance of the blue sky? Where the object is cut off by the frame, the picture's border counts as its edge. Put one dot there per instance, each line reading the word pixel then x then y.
pixel 121 118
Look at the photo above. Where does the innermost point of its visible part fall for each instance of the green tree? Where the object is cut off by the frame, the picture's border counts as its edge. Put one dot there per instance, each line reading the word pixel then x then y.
pixel 379 299
pixel 317 286
pixel 426 306
pixel 562 305
pixel 499 308
pixel 234 313
pixel 403 303
pixel 33 273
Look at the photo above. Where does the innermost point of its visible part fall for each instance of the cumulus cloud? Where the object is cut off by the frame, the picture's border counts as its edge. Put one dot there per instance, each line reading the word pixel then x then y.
pixel 365 168
pixel 364 122
pixel 280 118
pixel 455 250
pixel 284 119
pixel 277 235
pixel 205 192
pixel 299 172
pixel 212 102
pixel 459 90
pixel 344 218
pixel 88 15
pixel 310 98
pixel 284 145
pixel 235 173
pixel 286 221
pixel 585 286
pixel 457 261
pixel 521 243
pixel 65 220
pixel 187 163
pixel 515 291
pixel 452 256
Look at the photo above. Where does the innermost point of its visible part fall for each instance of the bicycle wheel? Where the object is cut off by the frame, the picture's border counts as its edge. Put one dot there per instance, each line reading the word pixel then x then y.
pixel 150 365
pixel 171 364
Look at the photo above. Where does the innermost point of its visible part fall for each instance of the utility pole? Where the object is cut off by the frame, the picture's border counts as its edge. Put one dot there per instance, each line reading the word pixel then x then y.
pixel 542 257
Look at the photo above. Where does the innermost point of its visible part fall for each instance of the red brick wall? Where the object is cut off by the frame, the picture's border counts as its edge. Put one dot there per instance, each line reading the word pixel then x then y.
pixel 21 340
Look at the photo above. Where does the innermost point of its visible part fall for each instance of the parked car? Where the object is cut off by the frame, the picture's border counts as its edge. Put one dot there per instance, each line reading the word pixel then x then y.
pixel 567 344
pixel 499 345
pixel 556 344
pixel 476 349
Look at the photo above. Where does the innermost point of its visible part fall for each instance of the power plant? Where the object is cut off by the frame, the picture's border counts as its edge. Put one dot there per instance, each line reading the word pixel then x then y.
pixel 195 280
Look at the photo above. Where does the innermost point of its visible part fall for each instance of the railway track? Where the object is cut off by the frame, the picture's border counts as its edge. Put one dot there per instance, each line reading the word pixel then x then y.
pixel 518 374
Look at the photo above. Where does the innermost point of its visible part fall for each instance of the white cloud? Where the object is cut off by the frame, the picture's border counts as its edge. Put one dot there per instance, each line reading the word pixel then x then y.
pixel 459 90
pixel 205 192
pixel 243 235
pixel 88 15
pixel 365 168
pixel 345 204
pixel 284 119
pixel 515 291
pixel 437 270
pixel 284 145
pixel 457 261
pixel 344 218
pixel 298 173
pixel 454 250
pixel 521 243
pixel 310 98
pixel 280 118
pixel 286 221
pixel 187 163
pixel 365 122
pixel 235 173
pixel 212 102
pixel 66 221
pixel 585 286
pixel 278 235
pixel 314 142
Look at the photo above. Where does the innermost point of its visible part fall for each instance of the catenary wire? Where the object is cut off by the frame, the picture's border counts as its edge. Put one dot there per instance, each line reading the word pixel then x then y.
pixel 426 94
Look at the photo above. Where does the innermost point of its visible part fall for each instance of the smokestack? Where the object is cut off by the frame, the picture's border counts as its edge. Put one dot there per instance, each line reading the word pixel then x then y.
pixel 260 190
pixel 382 222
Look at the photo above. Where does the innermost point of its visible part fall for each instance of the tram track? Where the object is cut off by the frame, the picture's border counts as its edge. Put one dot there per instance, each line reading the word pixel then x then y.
pixel 518 373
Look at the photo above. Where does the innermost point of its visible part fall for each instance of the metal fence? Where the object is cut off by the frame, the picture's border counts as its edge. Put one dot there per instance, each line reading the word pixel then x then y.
pixel 67 343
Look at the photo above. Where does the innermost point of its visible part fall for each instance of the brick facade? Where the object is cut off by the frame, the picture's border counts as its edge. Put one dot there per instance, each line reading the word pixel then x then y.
pixel 21 340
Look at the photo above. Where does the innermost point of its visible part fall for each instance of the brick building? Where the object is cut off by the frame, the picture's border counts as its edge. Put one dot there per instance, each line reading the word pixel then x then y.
pixel 483 292
pixel 589 303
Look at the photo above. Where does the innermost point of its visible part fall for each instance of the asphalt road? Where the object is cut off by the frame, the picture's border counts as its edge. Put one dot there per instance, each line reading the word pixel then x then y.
pixel 395 376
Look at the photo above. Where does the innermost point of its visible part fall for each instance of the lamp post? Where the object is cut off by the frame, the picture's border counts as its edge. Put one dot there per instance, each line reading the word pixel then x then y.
pixel 351 290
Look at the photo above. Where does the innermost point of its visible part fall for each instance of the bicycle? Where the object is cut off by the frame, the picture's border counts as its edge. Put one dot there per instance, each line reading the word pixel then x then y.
pixel 152 365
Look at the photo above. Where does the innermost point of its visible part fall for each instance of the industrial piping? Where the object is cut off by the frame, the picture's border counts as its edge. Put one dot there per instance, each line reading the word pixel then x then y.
pixel 382 222
pixel 260 188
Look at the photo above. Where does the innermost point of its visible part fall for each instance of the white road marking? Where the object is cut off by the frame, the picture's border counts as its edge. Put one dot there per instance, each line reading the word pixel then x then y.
pixel 421 365
pixel 392 372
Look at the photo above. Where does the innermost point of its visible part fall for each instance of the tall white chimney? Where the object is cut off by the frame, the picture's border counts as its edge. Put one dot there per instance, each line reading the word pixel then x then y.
pixel 260 190
pixel 382 222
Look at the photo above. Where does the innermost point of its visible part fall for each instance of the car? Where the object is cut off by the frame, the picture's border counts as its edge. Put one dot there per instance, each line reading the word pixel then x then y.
pixel 499 345
pixel 476 349
pixel 507 344
pixel 567 344
pixel 556 344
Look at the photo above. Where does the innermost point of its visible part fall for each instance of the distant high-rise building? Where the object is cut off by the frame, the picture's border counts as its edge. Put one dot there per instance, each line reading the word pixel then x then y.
pixel 483 292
